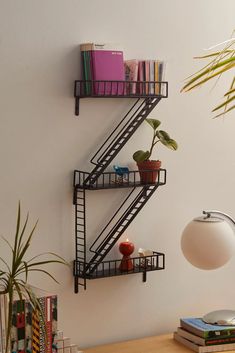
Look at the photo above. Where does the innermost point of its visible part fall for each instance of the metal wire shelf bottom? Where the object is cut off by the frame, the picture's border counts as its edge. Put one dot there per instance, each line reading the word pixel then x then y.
pixel 141 264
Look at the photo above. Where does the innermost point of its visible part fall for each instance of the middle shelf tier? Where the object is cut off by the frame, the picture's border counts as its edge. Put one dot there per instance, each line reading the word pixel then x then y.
pixel 113 180
pixel 141 264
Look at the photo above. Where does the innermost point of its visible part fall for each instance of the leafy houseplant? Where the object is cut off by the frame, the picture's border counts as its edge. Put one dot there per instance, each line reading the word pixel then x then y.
pixel 221 62
pixel 149 168
pixel 14 275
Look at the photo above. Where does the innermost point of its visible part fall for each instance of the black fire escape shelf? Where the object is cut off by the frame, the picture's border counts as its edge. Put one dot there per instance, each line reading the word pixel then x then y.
pixel 97 179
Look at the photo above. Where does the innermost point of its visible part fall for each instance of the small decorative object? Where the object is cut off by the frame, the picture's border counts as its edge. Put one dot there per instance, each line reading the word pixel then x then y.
pixel 122 173
pixel 144 253
pixel 149 168
pixel 126 248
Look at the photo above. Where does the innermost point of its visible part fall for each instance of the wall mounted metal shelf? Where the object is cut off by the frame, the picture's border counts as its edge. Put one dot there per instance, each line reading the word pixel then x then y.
pixel 147 96
pixel 111 180
pixel 141 264
pixel 118 89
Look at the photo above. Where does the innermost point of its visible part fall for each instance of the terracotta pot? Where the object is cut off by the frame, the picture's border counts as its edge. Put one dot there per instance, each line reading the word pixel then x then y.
pixel 149 171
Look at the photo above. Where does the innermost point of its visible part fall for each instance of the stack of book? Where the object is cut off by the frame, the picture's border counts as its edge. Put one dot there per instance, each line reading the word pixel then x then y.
pixel 201 337
pixel 31 330
pixel 145 74
pixel 105 62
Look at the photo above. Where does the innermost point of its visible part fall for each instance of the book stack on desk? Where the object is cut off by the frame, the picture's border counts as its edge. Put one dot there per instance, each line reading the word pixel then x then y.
pixel 201 337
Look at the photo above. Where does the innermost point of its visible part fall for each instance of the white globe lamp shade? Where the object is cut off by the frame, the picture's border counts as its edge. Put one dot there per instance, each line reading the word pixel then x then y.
pixel 208 243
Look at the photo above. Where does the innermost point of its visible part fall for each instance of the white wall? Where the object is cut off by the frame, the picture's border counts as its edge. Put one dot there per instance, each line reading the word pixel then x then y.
pixel 41 143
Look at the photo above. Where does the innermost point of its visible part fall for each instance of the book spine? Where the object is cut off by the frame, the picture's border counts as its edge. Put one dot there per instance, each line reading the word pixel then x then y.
pixel 28 326
pixel 147 76
pixel 131 75
pixel 54 323
pixel 204 349
pixel 20 324
pixel 1 337
pixel 42 328
pixel 156 77
pixel 48 319
pixel 3 321
pixel 197 327
pixel 14 339
pixel 35 332
pixel 140 77
pixel 151 76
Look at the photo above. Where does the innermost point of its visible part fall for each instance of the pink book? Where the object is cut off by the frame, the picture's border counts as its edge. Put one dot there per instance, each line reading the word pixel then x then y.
pixel 131 74
pixel 108 65
pixel 140 77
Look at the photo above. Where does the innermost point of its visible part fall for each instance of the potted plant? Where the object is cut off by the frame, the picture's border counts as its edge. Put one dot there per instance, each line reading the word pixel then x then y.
pixel 15 270
pixel 148 168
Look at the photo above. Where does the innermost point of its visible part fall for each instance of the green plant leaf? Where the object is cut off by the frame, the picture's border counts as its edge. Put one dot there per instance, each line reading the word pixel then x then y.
pixel 229 92
pixel 224 103
pixel 140 156
pixel 225 112
pixel 190 85
pixel 228 51
pixel 166 140
pixel 154 123
pixel 162 135
pixel 171 144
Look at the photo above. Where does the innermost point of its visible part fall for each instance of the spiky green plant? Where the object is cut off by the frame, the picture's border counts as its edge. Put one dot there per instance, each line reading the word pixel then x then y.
pixel 14 276
pixel 221 62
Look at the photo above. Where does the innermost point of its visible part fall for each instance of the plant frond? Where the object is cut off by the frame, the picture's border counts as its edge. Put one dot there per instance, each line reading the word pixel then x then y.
pixel 49 253
pixel 199 83
pixel 225 112
pixel 8 243
pixel 213 54
pixel 6 264
pixel 17 232
pixel 45 272
pixel 224 104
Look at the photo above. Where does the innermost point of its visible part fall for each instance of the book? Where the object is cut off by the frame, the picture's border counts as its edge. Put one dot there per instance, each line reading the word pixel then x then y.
pixel 28 326
pixel 203 349
pixel 205 341
pixel 141 75
pixel 131 74
pixel 156 76
pixel 108 65
pixel 151 77
pixel 3 310
pixel 19 309
pixel 99 46
pixel 55 333
pixel 146 76
pixel 202 329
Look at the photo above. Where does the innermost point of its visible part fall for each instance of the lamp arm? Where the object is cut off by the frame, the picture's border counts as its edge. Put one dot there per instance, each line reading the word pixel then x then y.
pixel 209 213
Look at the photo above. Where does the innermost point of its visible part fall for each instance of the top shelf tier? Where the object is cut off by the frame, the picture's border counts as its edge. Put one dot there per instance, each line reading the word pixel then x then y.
pixel 120 89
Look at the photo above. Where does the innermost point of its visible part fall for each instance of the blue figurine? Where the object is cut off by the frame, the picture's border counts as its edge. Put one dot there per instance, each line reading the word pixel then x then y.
pixel 122 173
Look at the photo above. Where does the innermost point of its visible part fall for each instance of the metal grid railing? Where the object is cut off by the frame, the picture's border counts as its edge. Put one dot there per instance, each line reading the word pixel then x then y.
pixel 109 180
pixel 112 268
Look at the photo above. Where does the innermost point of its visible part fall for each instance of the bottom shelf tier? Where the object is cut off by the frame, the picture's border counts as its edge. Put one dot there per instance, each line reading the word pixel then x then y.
pixel 140 264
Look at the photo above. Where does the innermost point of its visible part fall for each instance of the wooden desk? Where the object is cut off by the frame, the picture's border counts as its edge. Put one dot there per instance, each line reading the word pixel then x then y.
pixel 155 344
